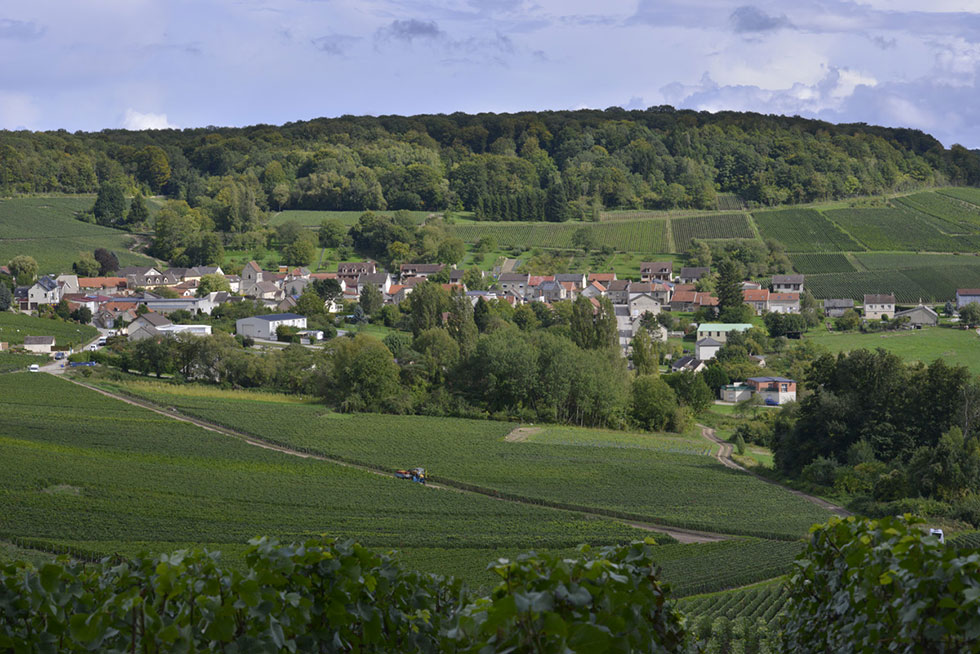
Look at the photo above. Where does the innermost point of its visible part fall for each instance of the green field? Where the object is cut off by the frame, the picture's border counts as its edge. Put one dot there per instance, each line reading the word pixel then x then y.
pixel 763 602
pixel 821 263
pixel 896 229
pixel 314 218
pixel 12 361
pixel 45 228
pixel 624 236
pixel 15 326
pixel 93 473
pixel 963 193
pixel 643 483
pixel 803 230
pixel 955 346
pixel 724 225
pixel 962 217
pixel 899 261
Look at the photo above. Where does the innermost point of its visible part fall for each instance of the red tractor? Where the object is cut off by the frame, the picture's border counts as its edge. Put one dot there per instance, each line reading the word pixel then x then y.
pixel 415 474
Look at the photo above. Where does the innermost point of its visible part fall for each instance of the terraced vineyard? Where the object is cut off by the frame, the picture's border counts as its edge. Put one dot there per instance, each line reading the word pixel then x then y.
pixel 626 235
pixel 896 229
pixel 758 603
pixel 680 489
pixel 821 263
pixel 803 230
pixel 95 474
pixel 15 326
pixel 46 229
pixel 725 225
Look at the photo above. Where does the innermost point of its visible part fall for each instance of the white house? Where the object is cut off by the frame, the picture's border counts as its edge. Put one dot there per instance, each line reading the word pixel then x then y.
pixel 39 344
pixel 787 283
pixel 264 327
pixel 965 296
pixel 44 291
pixel 706 348
pixel 720 330
pixel 879 306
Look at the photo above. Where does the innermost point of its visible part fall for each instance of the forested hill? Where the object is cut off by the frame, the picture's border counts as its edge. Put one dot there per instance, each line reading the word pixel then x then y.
pixel 657 158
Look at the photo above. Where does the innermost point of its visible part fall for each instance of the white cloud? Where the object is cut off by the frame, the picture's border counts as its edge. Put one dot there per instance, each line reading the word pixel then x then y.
pixel 137 121
pixel 18 111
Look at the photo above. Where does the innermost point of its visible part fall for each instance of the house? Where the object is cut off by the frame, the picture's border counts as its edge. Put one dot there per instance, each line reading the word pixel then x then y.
pixel 166 278
pixel 835 308
pixel 356 268
pixel 105 284
pixel 787 283
pixel 516 282
pixel 965 296
pixel 602 278
pixel 683 300
pixel 919 316
pixel 707 348
pixel 234 283
pixel 656 270
pixel 719 330
pixel 736 392
pixel 296 285
pixel 688 364
pixel 594 289
pixel 879 306
pixel 751 286
pixel 397 293
pixel 774 390
pixel 577 279
pixel 618 291
pixel 784 302
pixel 550 291
pixel 456 276
pixel 138 270
pixel 310 336
pixel 68 283
pixel 758 299
pixel 381 281
pixel 423 270
pixel 44 291
pixel 251 274
pixel 661 292
pixel 147 326
pixel 641 303
pixel 263 291
pixel 264 327
pixel 39 344
pixel 692 275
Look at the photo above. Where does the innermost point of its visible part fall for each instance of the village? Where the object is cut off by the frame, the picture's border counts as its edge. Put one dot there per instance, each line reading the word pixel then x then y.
pixel 135 302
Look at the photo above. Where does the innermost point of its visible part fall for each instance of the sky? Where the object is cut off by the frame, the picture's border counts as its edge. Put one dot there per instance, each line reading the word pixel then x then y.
pixel 146 64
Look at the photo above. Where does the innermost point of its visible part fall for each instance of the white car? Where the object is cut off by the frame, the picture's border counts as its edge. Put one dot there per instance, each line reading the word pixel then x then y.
pixel 938 533
pixel 93 347
pixel 35 368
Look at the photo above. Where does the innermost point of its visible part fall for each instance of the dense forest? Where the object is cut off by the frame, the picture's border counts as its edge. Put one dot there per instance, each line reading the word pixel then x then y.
pixel 554 165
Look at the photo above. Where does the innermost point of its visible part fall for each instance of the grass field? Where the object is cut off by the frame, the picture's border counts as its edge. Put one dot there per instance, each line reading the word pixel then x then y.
pixel 623 236
pixel 15 326
pixel 314 218
pixel 725 225
pixel 96 474
pixel 956 346
pixel 677 488
pixel 45 228
pixel 803 230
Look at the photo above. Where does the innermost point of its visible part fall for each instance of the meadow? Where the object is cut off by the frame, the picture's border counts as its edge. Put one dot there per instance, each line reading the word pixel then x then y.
pixel 15 326
pixel 46 229
pixel 803 230
pixel 643 482
pixel 955 346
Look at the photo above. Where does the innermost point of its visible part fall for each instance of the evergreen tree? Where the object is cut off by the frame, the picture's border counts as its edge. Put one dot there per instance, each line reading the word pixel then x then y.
pixel 138 213
pixel 110 204
pixel 731 305
pixel 556 203
pixel 481 314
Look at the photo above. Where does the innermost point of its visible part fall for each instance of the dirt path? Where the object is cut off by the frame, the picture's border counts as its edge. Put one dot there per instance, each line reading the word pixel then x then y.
pixel 521 434
pixel 724 455
pixel 680 534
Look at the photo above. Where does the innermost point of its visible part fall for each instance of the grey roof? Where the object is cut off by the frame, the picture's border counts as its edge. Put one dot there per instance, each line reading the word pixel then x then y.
pixel 838 303
pixel 372 278
pixel 648 266
pixel 787 279
pixel 39 340
pixel 618 285
pixel 422 267
pixel 921 307
pixel 155 319
pixel 513 277
pixel 569 277
pixel 694 272
pixel 772 379
pixel 708 341
pixel 879 298
pixel 275 317
pixel 684 362
pixel 47 283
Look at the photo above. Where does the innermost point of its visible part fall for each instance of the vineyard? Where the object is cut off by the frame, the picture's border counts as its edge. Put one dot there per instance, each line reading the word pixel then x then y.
pixel 99 475
pixel 680 489
pixel 962 217
pixel 46 229
pixel 894 261
pixel 627 235
pixel 314 218
pixel 758 603
pixel 803 230
pixel 821 263
pixel 963 541
pixel 896 229
pixel 10 361
pixel 726 225
pixel 730 202
pixel 964 194
pixel 15 326
pixel 856 284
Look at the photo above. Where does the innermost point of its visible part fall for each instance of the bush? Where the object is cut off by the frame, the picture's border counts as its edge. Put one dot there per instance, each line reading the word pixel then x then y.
pixel 822 471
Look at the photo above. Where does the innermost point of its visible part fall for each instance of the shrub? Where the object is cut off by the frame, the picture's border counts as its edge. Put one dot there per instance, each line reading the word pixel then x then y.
pixel 822 471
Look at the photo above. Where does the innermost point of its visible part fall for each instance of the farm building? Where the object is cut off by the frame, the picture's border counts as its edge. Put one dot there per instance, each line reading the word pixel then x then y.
pixel 787 283
pixel 965 296
pixel 919 316
pixel 39 344
pixel 784 302
pixel 835 308
pixel 719 330
pixel 879 306
pixel 774 390
pixel 195 330
pixel 706 348
pixel 264 327
pixel 736 392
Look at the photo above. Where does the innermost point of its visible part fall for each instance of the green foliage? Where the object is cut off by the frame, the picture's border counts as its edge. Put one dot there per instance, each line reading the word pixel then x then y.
pixel 875 585
pixel 628 236
pixel 6 297
pixel 23 267
pixel 87 266
pixel 654 402
pixel 849 321
pixel 970 314
pixel 301 251
pixel 803 230
pixel 211 283
pixel 110 204
pixel 11 361
pixel 371 299
pixel 138 212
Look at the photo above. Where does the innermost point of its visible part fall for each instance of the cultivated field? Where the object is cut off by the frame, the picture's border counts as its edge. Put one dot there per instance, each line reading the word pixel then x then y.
pixel 821 263
pixel 725 225
pixel 15 326
pixel 10 361
pixel 896 229
pixel 45 228
pixel 803 230
pixel 678 488
pixel 759 602
pixel 900 261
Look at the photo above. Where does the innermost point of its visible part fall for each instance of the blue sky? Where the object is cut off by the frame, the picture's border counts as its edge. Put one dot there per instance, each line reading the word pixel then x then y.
pixel 94 64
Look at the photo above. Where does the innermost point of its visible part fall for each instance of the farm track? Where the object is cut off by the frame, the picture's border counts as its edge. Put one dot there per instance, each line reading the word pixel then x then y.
pixel 681 535
pixel 724 455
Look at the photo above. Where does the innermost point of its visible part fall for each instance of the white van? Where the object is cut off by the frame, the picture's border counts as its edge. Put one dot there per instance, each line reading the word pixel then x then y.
pixel 35 368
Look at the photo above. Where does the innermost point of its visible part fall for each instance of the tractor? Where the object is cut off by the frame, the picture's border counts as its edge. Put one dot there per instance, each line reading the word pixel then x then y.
pixel 415 474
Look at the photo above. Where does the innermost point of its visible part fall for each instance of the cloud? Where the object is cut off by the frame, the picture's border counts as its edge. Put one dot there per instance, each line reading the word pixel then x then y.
pixel 410 30
pixel 18 111
pixel 136 121
pixel 335 44
pixel 20 30
pixel 748 18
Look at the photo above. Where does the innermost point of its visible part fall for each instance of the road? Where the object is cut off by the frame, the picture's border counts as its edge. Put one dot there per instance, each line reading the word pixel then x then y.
pixel 58 367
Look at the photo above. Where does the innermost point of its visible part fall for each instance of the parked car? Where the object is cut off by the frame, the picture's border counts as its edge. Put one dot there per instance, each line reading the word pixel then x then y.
pixel 35 368
pixel 93 347
pixel 58 356
pixel 102 341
